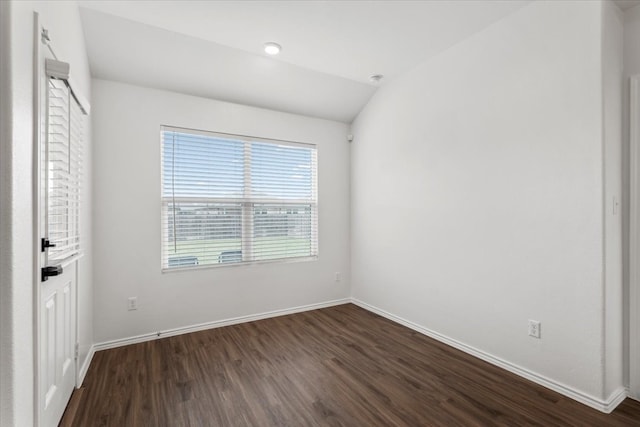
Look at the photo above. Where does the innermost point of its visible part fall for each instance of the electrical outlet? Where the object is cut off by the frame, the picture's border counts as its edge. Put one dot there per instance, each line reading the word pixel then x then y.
pixel 338 278
pixel 132 303
pixel 534 328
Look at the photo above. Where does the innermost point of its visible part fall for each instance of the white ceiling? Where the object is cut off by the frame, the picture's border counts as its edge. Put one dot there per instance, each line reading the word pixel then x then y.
pixel 130 52
pixel 330 48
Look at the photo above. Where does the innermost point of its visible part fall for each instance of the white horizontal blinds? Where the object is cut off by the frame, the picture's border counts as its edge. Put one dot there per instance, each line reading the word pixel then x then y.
pixel 201 176
pixel 64 170
pixel 286 229
pixel 229 199
pixel 202 166
pixel 200 233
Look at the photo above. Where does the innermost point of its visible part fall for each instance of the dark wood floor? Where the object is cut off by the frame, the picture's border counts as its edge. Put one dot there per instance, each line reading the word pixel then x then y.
pixel 330 367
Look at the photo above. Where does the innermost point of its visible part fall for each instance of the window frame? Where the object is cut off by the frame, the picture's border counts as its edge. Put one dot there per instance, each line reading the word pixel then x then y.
pixel 246 202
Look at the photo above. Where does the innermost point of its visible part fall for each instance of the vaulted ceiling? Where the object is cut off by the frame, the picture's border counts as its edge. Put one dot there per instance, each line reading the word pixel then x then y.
pixel 330 48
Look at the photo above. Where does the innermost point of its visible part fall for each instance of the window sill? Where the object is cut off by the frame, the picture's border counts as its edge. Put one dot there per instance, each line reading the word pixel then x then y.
pixel 240 264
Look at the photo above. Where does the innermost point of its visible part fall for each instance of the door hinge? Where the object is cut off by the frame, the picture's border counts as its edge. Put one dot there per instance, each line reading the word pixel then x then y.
pixel 76 351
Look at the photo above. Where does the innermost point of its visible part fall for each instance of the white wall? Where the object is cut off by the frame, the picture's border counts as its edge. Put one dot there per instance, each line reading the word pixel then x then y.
pixel 7 366
pixel 477 194
pixel 63 21
pixel 127 229
pixel 631 68
pixel 631 44
pixel 612 47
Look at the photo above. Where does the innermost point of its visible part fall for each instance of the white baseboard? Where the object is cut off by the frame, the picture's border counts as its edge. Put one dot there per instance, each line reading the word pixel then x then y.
pixel 605 406
pixel 616 398
pixel 215 324
pixel 85 366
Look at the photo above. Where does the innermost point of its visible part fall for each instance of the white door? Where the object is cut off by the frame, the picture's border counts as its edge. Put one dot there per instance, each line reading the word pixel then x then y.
pixel 58 202
pixel 57 344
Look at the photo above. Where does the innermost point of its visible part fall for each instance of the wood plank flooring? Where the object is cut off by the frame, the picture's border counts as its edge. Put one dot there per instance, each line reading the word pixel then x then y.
pixel 339 366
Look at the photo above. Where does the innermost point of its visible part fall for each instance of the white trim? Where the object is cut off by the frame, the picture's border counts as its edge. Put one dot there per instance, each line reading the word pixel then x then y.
pixel 39 56
pixel 215 324
pixel 82 373
pixel 239 264
pixel 616 398
pixel 605 406
pixel 634 239
pixel 235 200
pixel 236 137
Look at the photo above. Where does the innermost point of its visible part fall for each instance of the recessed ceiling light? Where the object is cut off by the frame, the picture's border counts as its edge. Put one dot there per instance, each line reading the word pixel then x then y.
pixel 272 48
pixel 376 78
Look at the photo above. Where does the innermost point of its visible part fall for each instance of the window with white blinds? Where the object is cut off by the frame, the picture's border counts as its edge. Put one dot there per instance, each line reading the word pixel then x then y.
pixel 65 124
pixel 231 199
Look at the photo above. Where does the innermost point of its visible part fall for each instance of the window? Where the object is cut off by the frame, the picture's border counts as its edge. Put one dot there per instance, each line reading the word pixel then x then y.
pixel 63 174
pixel 230 199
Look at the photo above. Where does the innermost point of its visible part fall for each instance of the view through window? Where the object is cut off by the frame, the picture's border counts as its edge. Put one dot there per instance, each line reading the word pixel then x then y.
pixel 231 199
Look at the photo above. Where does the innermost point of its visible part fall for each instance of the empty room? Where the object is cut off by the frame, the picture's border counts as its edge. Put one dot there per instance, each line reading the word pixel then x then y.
pixel 320 213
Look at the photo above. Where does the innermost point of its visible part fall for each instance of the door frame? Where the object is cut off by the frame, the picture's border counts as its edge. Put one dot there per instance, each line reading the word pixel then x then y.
pixel 38 128
pixel 634 239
